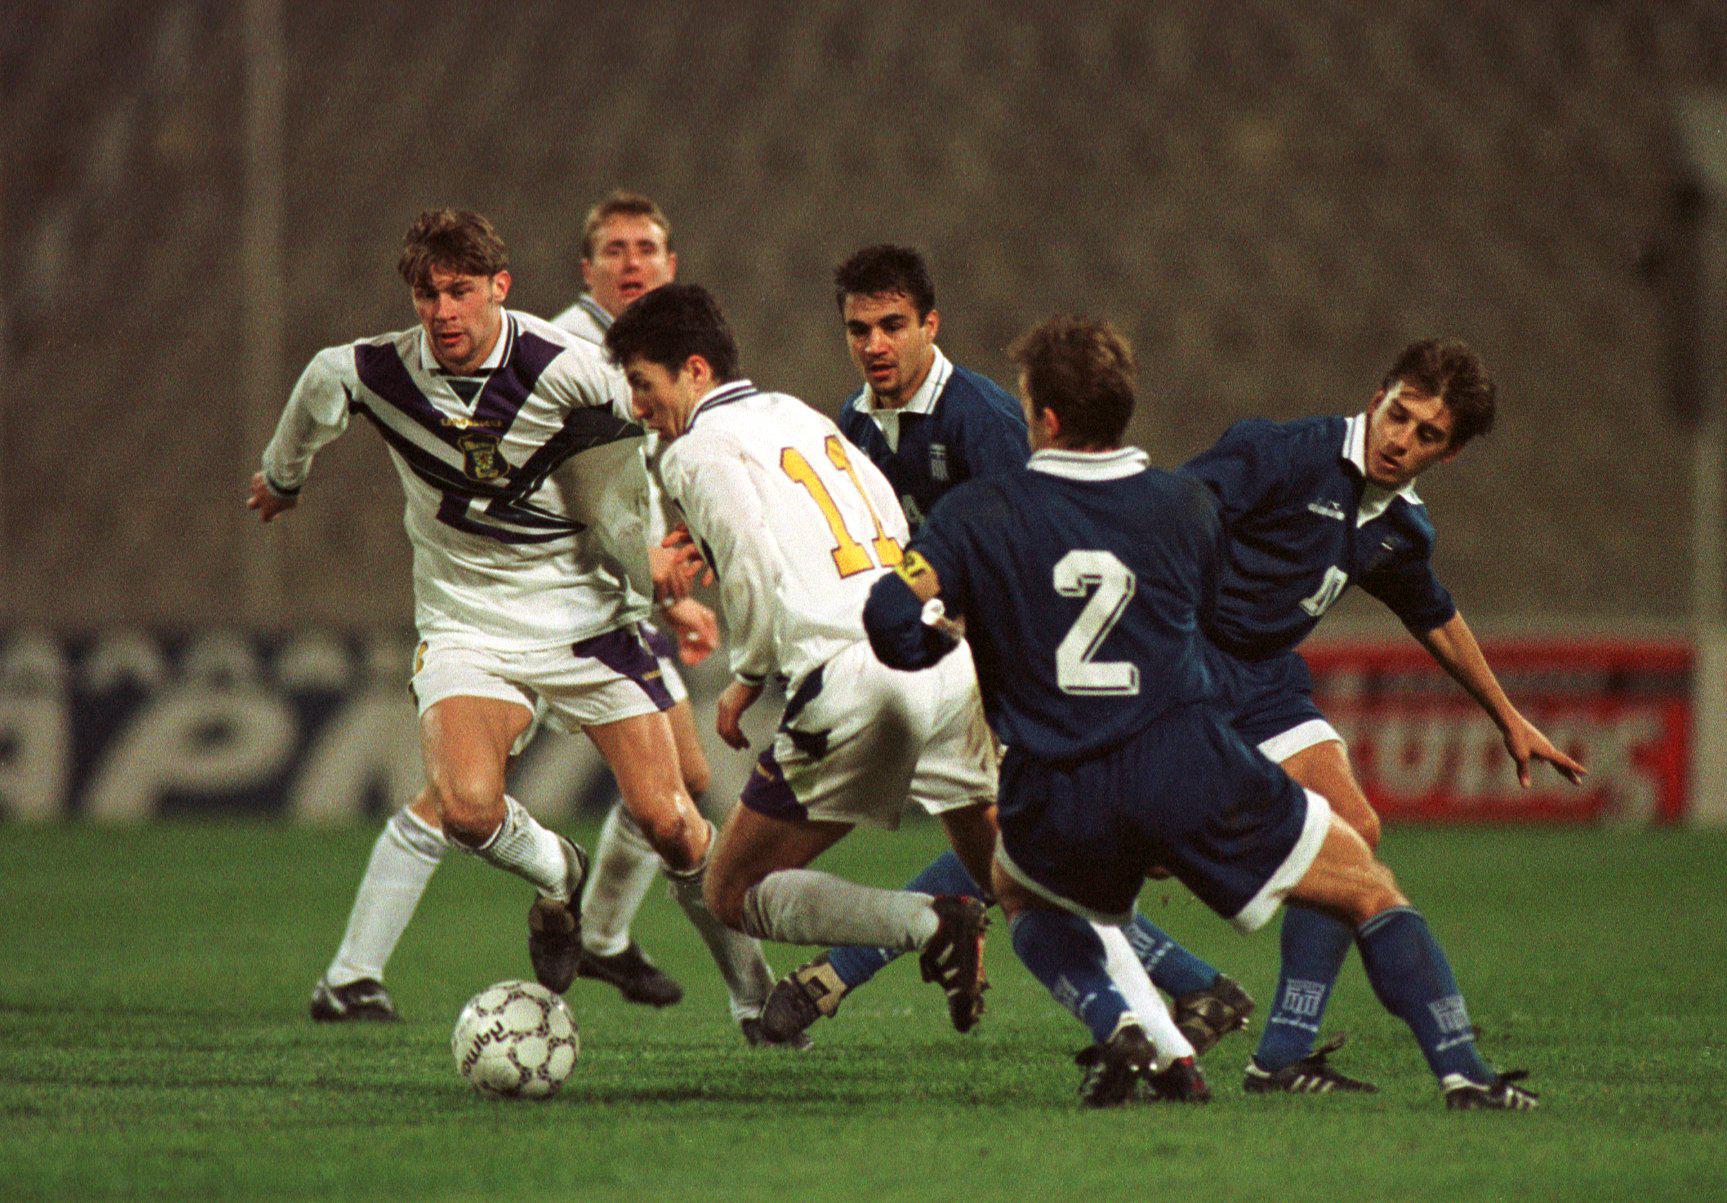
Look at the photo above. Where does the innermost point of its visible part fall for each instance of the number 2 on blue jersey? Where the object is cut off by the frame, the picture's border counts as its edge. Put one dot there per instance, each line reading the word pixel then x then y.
pixel 1076 574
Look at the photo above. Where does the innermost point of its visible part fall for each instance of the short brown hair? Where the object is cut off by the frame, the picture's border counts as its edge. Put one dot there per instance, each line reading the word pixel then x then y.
pixel 457 240
pixel 624 204
pixel 1449 370
pixel 1082 369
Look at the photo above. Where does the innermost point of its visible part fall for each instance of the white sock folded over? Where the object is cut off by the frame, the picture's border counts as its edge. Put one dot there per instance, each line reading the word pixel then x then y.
pixel 521 845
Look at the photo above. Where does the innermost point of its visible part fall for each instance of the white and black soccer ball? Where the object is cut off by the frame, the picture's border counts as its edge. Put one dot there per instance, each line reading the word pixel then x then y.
pixel 515 1040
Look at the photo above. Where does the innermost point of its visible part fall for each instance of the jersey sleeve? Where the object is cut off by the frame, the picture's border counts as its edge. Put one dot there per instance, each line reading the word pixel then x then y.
pixel 992 440
pixel 317 411
pixel 1242 469
pixel 724 507
pixel 941 543
pixel 1406 584
pixel 581 377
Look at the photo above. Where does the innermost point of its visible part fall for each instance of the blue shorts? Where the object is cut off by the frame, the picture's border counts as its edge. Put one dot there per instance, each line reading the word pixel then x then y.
pixel 1187 794
pixel 1269 702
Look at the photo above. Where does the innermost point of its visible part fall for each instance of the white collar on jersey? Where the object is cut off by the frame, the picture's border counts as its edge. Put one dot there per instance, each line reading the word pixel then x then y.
pixel 1090 465
pixel 921 402
pixel 500 350
pixel 1374 500
pixel 725 394
pixel 595 310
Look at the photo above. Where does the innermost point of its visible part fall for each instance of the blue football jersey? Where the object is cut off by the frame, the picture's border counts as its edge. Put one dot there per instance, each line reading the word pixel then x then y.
pixel 1304 525
pixel 1081 578
pixel 967 426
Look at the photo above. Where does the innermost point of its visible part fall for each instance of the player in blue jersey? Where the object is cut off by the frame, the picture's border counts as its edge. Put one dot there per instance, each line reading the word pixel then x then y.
pixel 1310 508
pixel 1083 582
pixel 930 424
pixel 925 421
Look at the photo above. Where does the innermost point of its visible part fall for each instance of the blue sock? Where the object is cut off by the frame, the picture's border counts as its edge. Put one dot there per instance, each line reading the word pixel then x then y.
pixel 946 874
pixel 1172 967
pixel 1064 953
pixel 1413 979
pixel 1314 948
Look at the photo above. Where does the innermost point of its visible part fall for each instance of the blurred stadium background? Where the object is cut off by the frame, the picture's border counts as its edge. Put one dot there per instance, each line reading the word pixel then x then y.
pixel 1272 198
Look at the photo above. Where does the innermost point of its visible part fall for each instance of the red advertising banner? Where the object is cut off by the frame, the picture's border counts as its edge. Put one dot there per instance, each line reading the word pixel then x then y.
pixel 1425 752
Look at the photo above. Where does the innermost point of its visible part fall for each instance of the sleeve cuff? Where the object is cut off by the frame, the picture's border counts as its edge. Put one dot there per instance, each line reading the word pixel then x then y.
pixel 280 491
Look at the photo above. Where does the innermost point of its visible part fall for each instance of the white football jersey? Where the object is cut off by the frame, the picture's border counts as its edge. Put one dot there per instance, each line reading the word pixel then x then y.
pixel 796 522
pixel 527 499
pixel 587 319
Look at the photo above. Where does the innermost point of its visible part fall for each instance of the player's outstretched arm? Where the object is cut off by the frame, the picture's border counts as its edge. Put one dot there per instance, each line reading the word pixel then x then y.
pixel 894 617
pixel 317 411
pixel 1453 644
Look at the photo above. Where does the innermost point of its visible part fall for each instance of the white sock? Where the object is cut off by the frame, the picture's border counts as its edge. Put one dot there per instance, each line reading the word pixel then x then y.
pixel 1128 973
pixel 404 858
pixel 532 852
pixel 748 977
pixel 622 872
pixel 806 906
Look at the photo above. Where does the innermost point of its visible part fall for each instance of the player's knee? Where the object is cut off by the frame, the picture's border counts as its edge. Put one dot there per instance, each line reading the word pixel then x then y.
pixel 470 808
pixel 1378 893
pixel 671 831
pixel 724 895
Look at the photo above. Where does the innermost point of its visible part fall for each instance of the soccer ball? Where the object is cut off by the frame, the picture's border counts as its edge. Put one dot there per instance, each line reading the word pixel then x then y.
pixel 515 1040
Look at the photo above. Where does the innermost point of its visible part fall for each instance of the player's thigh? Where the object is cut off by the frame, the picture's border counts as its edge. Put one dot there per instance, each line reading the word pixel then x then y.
pixel 1346 879
pixel 466 743
pixel 753 845
pixel 1324 769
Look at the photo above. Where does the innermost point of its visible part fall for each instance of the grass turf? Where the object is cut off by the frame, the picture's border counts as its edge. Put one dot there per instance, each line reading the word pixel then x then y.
pixel 153 1040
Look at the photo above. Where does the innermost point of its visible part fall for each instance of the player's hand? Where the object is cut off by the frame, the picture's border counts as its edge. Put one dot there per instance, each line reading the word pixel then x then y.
pixel 697 629
pixel 683 544
pixel 1527 745
pixel 729 713
pixel 674 574
pixel 265 502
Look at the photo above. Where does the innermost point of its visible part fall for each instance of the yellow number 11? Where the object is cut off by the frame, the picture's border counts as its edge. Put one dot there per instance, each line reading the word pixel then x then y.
pixel 849 555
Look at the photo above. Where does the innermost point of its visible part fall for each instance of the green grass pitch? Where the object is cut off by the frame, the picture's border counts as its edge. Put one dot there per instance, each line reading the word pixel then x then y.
pixel 154 1041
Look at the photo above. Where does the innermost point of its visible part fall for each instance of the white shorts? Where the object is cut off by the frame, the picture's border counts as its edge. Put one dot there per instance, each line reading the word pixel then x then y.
pixel 599 680
pixel 859 738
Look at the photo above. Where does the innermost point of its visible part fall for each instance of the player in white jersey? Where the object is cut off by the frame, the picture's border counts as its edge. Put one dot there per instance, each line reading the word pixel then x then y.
pixel 527 510
pixel 797 523
pixel 625 250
